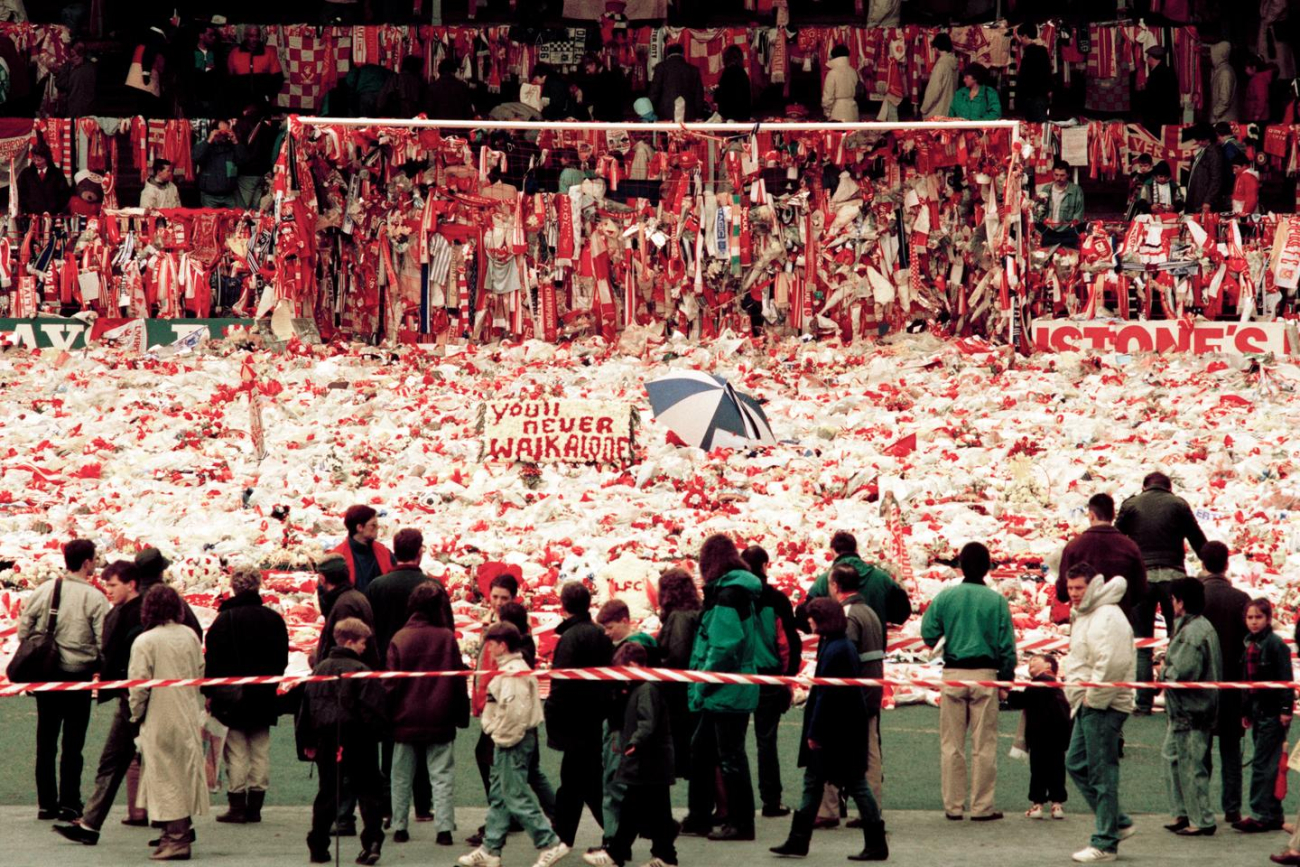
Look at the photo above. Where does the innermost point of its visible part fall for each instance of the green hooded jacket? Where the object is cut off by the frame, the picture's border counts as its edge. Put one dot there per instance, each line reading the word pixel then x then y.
pixel 725 642
pixel 878 590
pixel 1193 654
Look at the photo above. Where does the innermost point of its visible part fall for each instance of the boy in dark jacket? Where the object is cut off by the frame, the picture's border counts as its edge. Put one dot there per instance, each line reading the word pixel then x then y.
pixel 645 772
pixel 1047 737
pixel 339 727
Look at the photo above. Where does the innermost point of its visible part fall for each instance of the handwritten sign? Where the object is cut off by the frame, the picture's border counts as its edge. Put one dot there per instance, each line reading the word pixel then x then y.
pixel 557 431
pixel 1286 254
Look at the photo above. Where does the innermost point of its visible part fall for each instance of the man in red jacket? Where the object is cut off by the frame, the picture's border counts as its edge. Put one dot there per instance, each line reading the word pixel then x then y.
pixel 1110 552
pixel 366 558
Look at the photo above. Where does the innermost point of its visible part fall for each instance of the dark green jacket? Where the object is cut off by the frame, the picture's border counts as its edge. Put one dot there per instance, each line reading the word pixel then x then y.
pixel 878 590
pixel 975 622
pixel 1274 664
pixel 726 642
pixel 646 728
pixel 1193 655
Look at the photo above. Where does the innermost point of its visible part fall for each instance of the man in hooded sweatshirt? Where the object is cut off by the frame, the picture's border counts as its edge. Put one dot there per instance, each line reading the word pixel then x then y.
pixel 726 641
pixel 1193 655
pixel 1223 84
pixel 1101 651
pixel 839 91
pixel 979 643
pixel 877 589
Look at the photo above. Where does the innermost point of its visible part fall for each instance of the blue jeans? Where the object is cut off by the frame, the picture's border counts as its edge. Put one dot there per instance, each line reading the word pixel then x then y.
pixel 1187 775
pixel 1093 763
pixel 1268 734
pixel 510 796
pixel 440 765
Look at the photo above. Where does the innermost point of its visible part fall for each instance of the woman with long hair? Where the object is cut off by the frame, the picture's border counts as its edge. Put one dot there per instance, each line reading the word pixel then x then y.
pixel 172 784
pixel 679 618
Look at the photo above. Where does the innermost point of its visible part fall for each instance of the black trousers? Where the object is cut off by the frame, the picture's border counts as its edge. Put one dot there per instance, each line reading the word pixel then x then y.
pixel 647 811
pixel 66 713
pixel 114 761
pixel 421 793
pixel 360 766
pixel 719 742
pixel 773 701
pixel 1047 776
pixel 581 783
pixel 483 753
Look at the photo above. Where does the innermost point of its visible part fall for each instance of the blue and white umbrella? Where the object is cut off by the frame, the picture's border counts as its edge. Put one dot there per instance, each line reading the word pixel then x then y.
pixel 705 411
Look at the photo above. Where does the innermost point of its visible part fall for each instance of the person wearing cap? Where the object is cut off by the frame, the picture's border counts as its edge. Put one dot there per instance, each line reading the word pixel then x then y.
pixel 42 186
pixel 340 600
pixel 1207 182
pixel 366 559
pixel 939 90
pixel 1159 103
pixel 150 566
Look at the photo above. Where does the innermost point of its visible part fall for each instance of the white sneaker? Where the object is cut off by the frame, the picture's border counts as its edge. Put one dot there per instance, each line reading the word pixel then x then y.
pixel 1034 812
pixel 1093 855
pixel 1058 812
pixel 1125 833
pixel 480 857
pixel 598 858
pixel 551 855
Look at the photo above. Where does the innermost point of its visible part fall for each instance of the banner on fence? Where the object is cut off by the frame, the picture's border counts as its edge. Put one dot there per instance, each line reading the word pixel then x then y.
pixel 73 333
pixel 1200 338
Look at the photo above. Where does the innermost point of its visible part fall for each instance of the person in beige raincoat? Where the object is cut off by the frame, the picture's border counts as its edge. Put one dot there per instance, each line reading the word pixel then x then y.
pixel 172 784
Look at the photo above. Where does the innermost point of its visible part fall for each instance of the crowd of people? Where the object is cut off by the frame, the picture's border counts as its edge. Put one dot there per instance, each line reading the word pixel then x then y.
pixel 383 747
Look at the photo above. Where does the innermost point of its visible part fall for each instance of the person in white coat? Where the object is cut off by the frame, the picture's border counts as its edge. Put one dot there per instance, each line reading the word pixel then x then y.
pixel 1101 651
pixel 172 784
pixel 943 80
pixel 839 93
pixel 1223 84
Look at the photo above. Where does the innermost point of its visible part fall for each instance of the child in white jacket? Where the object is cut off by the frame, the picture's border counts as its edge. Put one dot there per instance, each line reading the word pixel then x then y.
pixel 511 717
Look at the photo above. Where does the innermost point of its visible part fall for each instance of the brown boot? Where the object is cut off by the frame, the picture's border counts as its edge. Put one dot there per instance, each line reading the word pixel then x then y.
pixel 174 845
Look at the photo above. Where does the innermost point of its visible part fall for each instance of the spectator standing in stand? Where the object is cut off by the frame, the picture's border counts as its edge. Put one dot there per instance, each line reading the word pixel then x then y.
pixel 1205 184
pixel 159 191
pixel 253 69
pixel 976 99
pixel 42 187
pixel 449 98
pixel 256 130
pixel 1159 103
pixel 974 622
pixel 404 95
pixel 779 650
pixel 78 610
pixel 145 74
pixel 1259 87
pixel 1034 75
pixel 1158 522
pixel 202 76
pixel 1223 84
pixel 217 159
pixel 1225 608
pixel 604 90
pixel 732 95
pixel 675 79
pixel 840 89
pixel 1245 188
pixel 941 87
pixel 77 81
pixel 246 639
pixel 1162 195
pixel 121 627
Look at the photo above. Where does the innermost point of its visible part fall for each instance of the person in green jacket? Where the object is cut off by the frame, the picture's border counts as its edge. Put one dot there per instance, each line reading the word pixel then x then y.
pixel 878 589
pixel 979 643
pixel 725 642
pixel 975 99
pixel 1193 655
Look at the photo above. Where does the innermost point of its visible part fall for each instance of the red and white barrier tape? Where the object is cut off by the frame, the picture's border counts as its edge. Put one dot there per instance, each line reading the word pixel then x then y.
pixel 622 673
